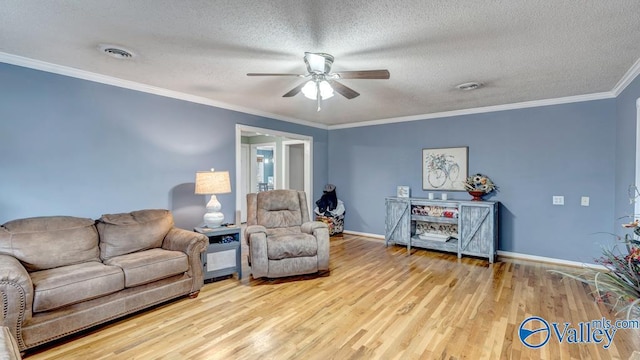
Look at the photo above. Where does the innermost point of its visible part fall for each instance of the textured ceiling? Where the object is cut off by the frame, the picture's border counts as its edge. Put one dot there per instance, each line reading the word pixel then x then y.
pixel 521 50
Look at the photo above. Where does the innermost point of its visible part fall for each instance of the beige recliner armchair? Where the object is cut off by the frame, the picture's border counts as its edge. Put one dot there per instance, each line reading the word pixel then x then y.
pixel 281 239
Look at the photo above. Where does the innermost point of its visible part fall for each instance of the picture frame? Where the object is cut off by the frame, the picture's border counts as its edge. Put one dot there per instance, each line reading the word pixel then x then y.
pixel 445 168
pixel 403 192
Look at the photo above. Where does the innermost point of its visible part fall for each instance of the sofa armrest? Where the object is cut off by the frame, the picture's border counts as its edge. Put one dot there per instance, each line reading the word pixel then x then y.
pixel 8 345
pixel 256 238
pixel 192 244
pixel 17 296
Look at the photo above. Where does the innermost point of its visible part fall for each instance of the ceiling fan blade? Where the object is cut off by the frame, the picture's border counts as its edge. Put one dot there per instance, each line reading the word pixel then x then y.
pixel 347 92
pixel 295 90
pixel 274 74
pixel 364 74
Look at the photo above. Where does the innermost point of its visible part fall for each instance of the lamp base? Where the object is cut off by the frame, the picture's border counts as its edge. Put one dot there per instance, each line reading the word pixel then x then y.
pixel 213 219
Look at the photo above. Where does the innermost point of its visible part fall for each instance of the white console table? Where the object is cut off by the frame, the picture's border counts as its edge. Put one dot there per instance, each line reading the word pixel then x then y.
pixel 461 227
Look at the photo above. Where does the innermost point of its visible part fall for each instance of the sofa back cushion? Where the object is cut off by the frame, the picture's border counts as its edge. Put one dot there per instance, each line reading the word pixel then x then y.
pixel 130 232
pixel 47 242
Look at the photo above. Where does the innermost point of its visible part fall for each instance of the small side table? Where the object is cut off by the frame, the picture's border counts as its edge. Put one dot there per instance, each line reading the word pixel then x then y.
pixel 222 256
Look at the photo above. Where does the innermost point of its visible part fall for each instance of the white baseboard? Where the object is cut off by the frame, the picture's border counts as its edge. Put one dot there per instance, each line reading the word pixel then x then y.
pixel 375 236
pixel 545 259
pixel 508 254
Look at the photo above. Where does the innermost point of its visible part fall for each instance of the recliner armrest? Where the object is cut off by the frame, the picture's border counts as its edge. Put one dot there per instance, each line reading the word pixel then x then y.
pixel 253 229
pixel 256 238
pixel 17 295
pixel 310 226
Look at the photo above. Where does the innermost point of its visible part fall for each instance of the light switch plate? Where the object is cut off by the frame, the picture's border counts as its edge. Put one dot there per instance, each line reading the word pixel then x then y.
pixel 558 200
pixel 584 201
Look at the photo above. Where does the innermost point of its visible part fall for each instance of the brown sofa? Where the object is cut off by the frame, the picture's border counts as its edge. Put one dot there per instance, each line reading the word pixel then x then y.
pixel 63 274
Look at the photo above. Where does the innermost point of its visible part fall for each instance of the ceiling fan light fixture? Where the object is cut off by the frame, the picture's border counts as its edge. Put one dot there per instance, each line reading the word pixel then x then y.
pixel 310 90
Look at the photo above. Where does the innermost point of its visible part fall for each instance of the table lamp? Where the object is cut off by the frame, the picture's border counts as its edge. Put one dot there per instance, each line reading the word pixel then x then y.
pixel 212 183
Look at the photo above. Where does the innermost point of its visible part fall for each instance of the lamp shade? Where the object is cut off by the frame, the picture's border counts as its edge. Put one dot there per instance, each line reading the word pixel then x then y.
pixel 212 182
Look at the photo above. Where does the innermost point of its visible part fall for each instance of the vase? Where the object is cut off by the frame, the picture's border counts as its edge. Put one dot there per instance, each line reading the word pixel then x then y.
pixel 477 195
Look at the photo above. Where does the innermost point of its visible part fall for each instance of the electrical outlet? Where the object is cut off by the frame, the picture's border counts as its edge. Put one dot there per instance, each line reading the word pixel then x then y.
pixel 558 200
pixel 584 201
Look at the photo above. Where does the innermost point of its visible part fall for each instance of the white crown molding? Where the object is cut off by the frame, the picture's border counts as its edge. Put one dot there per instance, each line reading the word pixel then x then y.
pixel 132 85
pixel 480 110
pixel 628 77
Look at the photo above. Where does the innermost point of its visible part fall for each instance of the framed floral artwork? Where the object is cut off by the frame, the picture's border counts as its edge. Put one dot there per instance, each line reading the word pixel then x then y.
pixel 445 168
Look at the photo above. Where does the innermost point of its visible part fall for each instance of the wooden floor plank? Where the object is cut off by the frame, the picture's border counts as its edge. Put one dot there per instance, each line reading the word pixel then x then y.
pixel 377 303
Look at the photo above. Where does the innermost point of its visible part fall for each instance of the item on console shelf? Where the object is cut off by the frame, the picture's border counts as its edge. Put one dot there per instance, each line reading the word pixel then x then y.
pixel 436 231
pixel 435 237
pixel 434 211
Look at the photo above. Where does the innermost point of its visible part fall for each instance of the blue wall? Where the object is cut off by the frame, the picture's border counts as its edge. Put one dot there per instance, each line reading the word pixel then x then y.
pixel 626 147
pixel 531 154
pixel 76 147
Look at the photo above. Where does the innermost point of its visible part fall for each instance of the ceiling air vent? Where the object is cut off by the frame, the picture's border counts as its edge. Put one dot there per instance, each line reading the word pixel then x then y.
pixel 469 86
pixel 114 51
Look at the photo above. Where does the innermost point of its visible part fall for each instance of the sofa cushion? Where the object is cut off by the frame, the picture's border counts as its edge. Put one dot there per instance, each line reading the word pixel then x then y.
pixel 130 232
pixel 66 285
pixel 291 246
pixel 47 242
pixel 143 267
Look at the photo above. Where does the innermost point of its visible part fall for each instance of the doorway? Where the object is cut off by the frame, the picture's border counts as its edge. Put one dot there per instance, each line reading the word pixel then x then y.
pixel 263 168
pixel 269 159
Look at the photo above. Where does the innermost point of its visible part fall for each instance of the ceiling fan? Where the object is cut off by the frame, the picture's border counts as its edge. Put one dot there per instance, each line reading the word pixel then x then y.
pixel 322 81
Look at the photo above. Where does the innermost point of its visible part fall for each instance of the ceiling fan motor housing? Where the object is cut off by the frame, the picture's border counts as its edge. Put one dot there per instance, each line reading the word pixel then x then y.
pixel 318 62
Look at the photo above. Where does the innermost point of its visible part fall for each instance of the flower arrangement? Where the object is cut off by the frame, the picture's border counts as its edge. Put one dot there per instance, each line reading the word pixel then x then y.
pixel 619 285
pixel 479 182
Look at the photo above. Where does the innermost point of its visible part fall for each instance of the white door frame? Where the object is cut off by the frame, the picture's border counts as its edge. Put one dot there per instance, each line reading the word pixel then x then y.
pixel 244 184
pixel 308 160
pixel 285 160
pixel 636 204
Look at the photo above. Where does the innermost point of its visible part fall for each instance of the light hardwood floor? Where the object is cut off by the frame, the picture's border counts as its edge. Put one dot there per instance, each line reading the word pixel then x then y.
pixel 377 303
